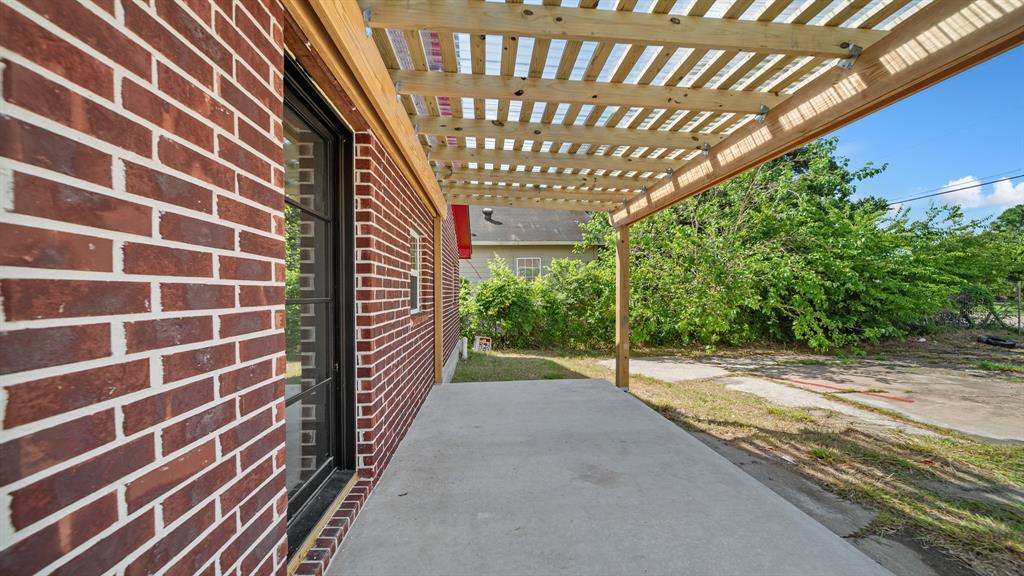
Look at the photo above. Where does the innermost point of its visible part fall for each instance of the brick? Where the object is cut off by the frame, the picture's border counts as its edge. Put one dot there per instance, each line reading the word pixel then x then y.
pixel 242 378
pixel 260 295
pixel 245 431
pixel 234 268
pixel 263 548
pixel 40 248
pixel 196 34
pixel 143 181
pixel 100 557
pixel 242 158
pixel 195 231
pixel 258 12
pixel 48 495
pixel 244 323
pixel 261 245
pixel 184 91
pixel 32 554
pixel 245 539
pixel 34 145
pixel 199 361
pixel 260 498
pixel 156 557
pixel 154 409
pixel 191 562
pixel 162 333
pixel 164 261
pixel 257 37
pixel 24 37
pixel 196 296
pixel 165 114
pixel 168 475
pixel 41 347
pixel 260 448
pixel 245 485
pixel 181 434
pixel 36 196
pixel 37 94
pixel 192 494
pixel 260 397
pixel 227 31
pixel 183 159
pixel 261 193
pixel 243 103
pixel 49 397
pixel 167 43
pixel 244 214
pixel 28 299
pixel 261 346
pixel 78 21
pixel 255 138
pixel 37 451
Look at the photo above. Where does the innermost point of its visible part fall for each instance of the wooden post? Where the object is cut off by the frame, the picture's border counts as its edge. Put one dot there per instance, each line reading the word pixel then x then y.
pixel 438 300
pixel 622 308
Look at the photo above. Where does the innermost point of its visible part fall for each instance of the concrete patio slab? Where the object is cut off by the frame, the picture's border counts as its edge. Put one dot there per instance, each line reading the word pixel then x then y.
pixel 574 477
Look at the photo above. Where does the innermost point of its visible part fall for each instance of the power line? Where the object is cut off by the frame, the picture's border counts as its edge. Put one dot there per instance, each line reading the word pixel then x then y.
pixel 958 189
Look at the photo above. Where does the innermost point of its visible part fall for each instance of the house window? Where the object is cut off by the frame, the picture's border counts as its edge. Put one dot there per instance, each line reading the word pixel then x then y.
pixel 414 271
pixel 528 268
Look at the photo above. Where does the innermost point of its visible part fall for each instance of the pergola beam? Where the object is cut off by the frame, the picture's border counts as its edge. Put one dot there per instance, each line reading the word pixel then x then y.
pixel 531 193
pixel 574 161
pixel 940 40
pixel 539 132
pixel 583 181
pixel 553 22
pixel 413 82
pixel 546 204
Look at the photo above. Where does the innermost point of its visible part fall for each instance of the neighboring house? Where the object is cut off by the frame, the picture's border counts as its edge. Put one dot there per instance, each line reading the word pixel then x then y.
pixel 527 239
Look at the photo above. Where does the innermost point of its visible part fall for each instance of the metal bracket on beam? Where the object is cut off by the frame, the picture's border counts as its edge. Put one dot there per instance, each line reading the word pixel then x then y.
pixel 855 52
pixel 762 114
pixel 398 90
pixel 367 15
pixel 705 150
pixel 669 171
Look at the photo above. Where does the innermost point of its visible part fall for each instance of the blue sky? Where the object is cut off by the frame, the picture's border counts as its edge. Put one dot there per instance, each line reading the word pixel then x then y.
pixel 970 126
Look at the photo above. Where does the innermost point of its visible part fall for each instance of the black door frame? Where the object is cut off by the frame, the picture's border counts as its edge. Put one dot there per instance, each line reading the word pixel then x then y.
pixel 302 519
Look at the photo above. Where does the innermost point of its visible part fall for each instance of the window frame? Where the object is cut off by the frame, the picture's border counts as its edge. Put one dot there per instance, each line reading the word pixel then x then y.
pixel 415 271
pixel 539 268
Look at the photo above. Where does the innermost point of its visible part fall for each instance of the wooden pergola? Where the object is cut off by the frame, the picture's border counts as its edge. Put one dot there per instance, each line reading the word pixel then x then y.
pixel 629 106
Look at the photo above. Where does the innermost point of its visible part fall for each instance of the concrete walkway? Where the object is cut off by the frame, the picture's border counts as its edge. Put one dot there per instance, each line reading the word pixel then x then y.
pixel 574 477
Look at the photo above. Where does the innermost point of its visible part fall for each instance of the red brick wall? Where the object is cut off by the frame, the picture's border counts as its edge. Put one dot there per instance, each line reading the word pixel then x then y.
pixel 141 344
pixel 141 291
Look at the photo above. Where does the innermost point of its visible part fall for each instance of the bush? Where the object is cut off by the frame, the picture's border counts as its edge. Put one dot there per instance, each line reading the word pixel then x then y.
pixel 782 253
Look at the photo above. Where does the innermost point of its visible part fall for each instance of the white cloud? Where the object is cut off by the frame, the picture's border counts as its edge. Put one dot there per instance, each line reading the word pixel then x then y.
pixel 1004 193
pixel 970 195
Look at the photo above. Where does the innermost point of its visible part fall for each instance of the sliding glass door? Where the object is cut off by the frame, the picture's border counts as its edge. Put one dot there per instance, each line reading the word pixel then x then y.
pixel 318 306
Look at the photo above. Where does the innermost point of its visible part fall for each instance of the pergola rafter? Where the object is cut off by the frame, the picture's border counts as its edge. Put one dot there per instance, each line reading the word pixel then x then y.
pixel 624 27
pixel 629 112
pixel 626 97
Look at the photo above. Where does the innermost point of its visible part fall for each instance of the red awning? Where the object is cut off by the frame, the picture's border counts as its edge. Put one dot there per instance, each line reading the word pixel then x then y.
pixel 463 235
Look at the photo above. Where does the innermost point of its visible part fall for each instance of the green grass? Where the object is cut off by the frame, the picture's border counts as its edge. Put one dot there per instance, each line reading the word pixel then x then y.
pixel 822 453
pixel 999 366
pixel 915 483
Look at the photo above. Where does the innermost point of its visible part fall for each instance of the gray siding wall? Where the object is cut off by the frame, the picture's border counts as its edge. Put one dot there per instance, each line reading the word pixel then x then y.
pixel 476 270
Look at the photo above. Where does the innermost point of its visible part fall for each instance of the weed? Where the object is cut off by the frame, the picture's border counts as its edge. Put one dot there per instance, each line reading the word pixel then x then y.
pixel 999 366
pixel 822 453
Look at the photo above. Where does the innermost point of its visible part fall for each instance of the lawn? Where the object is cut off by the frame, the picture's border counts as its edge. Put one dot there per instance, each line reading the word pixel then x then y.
pixel 947 491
